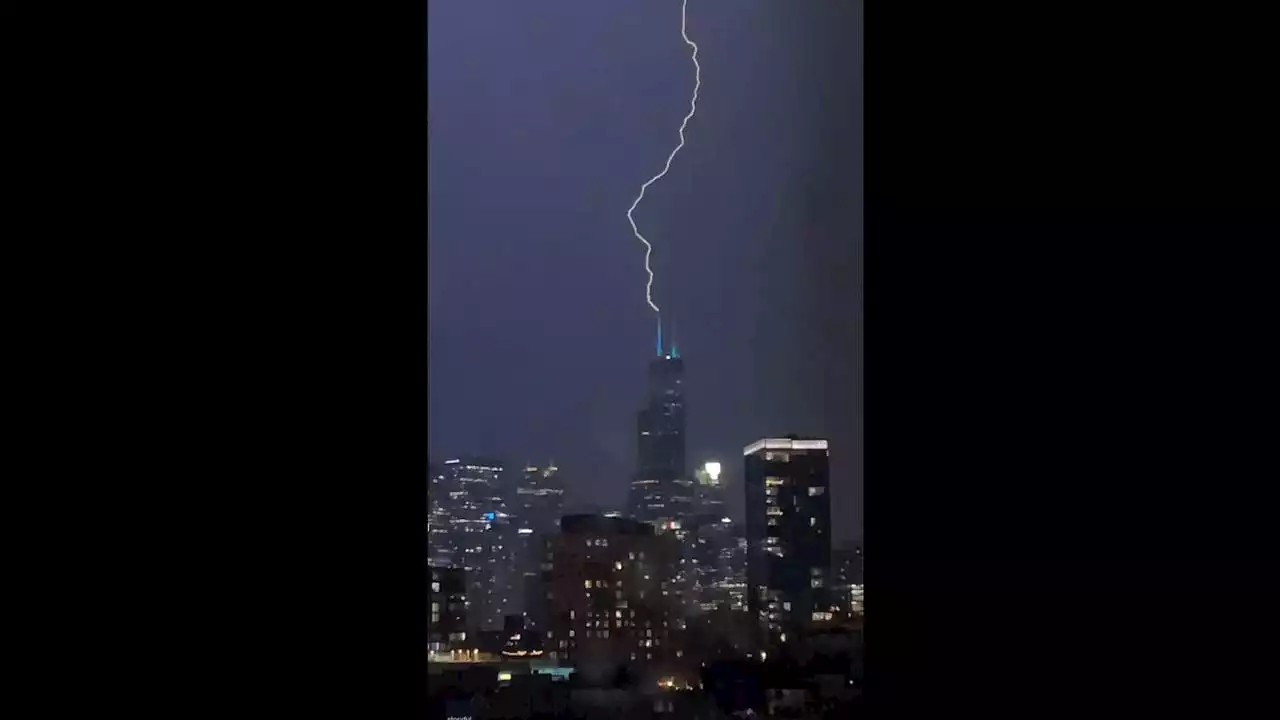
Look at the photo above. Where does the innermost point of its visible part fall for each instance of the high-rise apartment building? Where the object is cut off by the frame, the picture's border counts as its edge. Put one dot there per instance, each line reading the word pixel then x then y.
pixel 609 596
pixel 846 578
pixel 447 607
pixel 788 519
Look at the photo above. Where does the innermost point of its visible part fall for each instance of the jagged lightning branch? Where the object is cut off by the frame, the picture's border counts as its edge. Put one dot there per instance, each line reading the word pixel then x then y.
pixel 693 107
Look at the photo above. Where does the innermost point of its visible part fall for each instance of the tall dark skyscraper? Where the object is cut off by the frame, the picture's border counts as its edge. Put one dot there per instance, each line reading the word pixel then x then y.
pixel 662 492
pixel 788 514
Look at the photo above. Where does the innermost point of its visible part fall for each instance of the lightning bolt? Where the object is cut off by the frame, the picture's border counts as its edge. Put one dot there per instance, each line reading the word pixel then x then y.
pixel 693 107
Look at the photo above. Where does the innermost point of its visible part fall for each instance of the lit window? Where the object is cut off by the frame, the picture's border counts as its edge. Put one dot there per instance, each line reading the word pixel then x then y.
pixel 573 633
pixel 816 491
pixel 586 583
pixel 435 587
pixel 813 521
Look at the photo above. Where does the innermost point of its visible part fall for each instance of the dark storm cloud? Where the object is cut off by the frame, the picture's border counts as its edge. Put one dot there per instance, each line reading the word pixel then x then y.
pixel 546 117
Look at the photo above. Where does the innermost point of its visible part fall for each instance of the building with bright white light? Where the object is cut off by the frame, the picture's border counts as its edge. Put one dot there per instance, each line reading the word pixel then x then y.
pixel 788 523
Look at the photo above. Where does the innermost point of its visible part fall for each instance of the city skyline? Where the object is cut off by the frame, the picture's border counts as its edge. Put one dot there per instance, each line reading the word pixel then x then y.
pixel 539 336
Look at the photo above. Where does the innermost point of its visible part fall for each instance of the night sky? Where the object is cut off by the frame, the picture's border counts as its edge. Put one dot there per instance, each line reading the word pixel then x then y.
pixel 545 119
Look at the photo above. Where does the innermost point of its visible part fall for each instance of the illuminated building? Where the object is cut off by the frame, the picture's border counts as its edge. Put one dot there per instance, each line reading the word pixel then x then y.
pixel 447 608
pixel 710 489
pixel 788 516
pixel 846 579
pixel 608 586
pixel 440 549
pixel 472 506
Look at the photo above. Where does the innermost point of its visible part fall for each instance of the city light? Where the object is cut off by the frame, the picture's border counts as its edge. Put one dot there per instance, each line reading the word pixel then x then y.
pixel 713 470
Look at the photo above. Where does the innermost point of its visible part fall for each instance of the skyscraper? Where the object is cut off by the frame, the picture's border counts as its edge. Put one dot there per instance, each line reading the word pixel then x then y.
pixel 661 492
pixel 536 510
pixel 476 513
pixel 788 516
pixel 440 545
pixel 539 499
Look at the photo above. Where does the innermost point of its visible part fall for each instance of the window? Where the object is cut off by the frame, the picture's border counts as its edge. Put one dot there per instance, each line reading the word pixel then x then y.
pixel 815 491
pixel 435 587
pixel 572 633
pixel 813 521
pixel 586 583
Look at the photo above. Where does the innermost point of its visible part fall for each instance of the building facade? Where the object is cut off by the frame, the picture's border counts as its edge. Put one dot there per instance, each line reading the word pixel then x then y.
pixel 788 523
pixel 447 607
pixel 662 493
pixel 608 588
pixel 470 529
pixel 536 509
